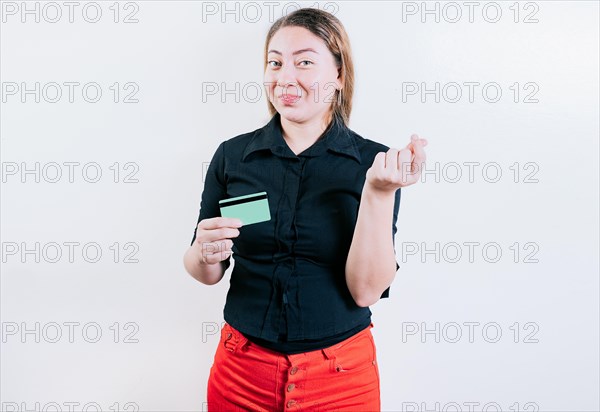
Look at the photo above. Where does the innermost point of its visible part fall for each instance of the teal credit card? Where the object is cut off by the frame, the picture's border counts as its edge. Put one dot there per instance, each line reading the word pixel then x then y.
pixel 253 208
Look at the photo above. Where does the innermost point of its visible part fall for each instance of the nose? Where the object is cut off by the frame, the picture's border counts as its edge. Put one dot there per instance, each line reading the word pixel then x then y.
pixel 287 80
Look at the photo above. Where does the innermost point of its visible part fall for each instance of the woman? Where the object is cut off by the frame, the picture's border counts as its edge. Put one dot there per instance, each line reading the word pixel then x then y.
pixel 297 332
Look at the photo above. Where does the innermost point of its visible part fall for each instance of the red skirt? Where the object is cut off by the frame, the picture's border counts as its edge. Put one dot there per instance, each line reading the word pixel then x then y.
pixel 248 377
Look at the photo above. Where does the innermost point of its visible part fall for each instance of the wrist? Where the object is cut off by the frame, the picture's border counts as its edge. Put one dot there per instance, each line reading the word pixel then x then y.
pixel 379 194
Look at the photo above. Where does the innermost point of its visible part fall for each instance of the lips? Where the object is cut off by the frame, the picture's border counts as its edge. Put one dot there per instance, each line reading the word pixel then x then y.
pixel 289 98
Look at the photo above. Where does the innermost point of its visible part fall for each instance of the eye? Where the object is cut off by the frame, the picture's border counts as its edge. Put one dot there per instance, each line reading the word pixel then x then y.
pixel 307 61
pixel 271 61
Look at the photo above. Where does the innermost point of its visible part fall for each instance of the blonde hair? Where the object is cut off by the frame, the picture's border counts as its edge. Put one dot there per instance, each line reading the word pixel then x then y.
pixel 328 28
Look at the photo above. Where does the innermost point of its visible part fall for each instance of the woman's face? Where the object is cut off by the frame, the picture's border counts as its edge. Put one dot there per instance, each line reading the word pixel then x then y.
pixel 299 59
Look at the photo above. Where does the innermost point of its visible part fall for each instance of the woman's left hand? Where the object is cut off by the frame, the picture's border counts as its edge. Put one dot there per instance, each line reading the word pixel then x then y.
pixel 397 168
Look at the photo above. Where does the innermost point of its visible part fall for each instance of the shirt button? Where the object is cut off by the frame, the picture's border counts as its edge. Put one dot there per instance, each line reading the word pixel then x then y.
pixel 291 387
pixel 291 403
pixel 293 370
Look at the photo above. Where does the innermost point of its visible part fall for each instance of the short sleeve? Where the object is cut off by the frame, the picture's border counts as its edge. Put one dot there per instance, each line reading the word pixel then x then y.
pixel 214 190
pixel 386 293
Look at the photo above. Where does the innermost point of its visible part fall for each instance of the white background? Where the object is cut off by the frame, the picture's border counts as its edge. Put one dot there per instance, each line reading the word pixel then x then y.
pixel 167 321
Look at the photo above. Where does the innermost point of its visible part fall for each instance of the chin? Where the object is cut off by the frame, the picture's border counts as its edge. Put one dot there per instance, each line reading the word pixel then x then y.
pixel 288 112
pixel 292 116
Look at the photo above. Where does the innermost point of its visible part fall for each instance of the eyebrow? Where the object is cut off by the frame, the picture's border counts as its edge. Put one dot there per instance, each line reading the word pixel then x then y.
pixel 296 52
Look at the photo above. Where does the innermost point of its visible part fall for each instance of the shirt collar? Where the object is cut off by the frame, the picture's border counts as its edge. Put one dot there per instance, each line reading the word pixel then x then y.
pixel 337 139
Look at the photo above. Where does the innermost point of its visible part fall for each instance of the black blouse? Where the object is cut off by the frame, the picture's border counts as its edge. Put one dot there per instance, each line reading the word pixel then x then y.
pixel 288 290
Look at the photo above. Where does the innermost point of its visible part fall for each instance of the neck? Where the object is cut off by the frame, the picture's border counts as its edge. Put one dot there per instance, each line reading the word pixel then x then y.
pixel 303 135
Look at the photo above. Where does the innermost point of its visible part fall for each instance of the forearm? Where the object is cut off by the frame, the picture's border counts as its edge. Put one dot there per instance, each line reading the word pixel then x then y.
pixel 204 273
pixel 371 263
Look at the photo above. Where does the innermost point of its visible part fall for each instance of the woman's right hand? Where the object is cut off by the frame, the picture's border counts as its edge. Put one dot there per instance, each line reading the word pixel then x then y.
pixel 213 237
